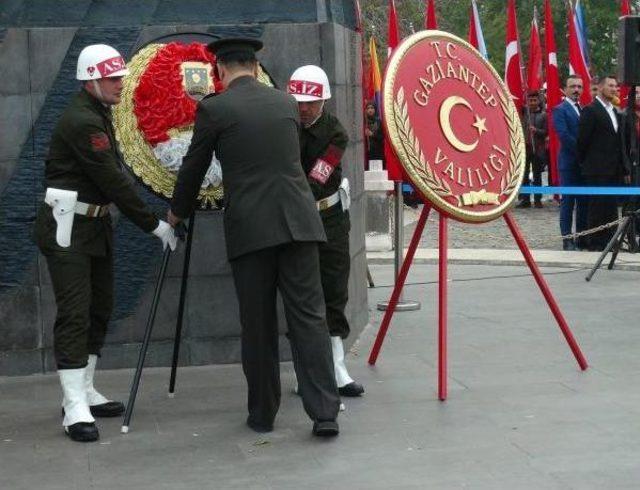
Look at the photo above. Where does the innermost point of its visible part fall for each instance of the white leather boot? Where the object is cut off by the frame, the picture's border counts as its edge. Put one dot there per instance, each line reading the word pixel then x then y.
pixel 78 422
pixel 99 405
pixel 346 385
pixel 93 397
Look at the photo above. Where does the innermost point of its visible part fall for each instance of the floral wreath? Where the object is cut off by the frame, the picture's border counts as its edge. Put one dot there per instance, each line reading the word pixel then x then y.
pixel 154 121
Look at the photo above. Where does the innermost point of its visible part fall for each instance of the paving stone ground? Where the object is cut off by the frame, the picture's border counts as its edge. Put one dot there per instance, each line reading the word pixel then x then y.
pixel 540 227
pixel 520 414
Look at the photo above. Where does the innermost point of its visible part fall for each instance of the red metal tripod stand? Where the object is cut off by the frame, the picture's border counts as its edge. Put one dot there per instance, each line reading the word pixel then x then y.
pixel 442 295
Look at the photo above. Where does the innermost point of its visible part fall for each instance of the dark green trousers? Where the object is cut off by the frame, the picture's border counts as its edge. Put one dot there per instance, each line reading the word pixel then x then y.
pixel 335 264
pixel 291 269
pixel 83 287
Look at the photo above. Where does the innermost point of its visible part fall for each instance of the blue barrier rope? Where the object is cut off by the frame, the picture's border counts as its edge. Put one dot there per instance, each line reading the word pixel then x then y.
pixel 580 191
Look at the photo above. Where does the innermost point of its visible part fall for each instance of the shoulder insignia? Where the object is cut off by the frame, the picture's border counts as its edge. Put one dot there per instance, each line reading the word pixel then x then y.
pixel 100 141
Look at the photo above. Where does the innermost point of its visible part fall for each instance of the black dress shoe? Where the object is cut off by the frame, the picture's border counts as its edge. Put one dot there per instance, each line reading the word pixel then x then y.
pixel 325 428
pixel 353 389
pixel 83 432
pixel 109 409
pixel 259 427
pixel 523 204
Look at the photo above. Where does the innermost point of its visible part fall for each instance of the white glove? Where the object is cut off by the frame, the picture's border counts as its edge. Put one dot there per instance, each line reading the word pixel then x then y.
pixel 164 232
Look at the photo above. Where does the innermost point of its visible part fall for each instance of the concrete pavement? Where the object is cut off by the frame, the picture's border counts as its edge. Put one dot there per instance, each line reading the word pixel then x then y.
pixel 520 414
pixel 491 256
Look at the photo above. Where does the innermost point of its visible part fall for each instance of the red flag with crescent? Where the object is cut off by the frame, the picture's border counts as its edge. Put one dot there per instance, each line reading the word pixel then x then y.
pixel 430 19
pixel 394 169
pixel 513 70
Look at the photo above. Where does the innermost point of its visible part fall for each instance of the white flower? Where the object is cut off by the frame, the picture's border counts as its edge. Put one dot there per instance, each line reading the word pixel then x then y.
pixel 170 154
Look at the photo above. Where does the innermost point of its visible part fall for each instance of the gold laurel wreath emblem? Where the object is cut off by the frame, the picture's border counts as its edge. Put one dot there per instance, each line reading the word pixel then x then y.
pixel 411 145
pixel 509 182
pixel 137 152
pixel 414 153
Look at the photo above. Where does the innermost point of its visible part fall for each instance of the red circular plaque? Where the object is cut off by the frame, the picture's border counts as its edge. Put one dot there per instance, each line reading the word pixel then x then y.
pixel 454 127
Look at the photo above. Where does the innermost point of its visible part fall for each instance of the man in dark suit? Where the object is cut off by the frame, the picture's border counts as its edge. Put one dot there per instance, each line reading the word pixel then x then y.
pixel 272 231
pixel 600 158
pixel 565 120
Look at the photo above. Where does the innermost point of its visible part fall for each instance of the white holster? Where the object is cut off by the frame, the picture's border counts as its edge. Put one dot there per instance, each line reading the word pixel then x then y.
pixel 63 204
pixel 345 194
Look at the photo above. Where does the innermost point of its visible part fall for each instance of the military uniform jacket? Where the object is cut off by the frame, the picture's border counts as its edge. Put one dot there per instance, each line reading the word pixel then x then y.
pixel 253 130
pixel 83 157
pixel 326 140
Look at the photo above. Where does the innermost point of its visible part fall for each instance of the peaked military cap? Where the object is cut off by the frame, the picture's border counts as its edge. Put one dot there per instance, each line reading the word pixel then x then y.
pixel 224 48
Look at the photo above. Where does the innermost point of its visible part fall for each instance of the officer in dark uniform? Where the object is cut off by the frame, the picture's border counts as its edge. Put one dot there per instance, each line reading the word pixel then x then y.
pixel 73 230
pixel 272 231
pixel 323 141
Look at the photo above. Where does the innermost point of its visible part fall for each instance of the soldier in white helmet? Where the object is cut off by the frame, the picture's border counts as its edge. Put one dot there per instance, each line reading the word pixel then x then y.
pixel 84 174
pixel 323 141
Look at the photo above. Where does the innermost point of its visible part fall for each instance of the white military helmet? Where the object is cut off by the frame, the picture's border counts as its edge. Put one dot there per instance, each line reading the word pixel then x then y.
pixel 100 61
pixel 309 83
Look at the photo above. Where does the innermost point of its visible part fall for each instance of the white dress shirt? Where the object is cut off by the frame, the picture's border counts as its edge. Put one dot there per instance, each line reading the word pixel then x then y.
pixel 611 111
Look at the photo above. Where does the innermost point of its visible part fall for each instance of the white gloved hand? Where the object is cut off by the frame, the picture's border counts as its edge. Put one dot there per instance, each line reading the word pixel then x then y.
pixel 164 232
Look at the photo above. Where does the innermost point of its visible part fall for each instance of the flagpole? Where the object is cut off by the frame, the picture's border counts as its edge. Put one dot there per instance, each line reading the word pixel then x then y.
pixel 398 248
pixel 525 90
pixel 395 173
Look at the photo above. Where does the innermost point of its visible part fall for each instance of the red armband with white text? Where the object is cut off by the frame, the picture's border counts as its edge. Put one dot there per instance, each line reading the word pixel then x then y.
pixel 325 165
pixel 321 171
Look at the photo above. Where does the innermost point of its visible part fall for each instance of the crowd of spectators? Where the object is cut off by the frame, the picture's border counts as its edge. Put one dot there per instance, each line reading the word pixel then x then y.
pixel 595 150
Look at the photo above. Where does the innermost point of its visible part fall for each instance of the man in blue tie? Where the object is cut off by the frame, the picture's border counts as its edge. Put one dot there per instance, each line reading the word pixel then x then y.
pixel 565 119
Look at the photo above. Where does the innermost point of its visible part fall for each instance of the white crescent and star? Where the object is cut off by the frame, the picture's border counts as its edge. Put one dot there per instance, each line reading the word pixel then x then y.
pixel 445 123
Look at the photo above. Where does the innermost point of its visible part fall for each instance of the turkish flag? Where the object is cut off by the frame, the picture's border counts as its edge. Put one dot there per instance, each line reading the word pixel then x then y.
pixel 512 68
pixel 430 19
pixel 577 61
pixel 393 34
pixel 534 68
pixel 394 168
pixel 472 35
pixel 476 38
pixel 554 94
pixel 625 8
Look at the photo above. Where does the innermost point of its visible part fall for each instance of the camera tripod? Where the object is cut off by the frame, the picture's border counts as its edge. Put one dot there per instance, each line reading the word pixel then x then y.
pixel 625 234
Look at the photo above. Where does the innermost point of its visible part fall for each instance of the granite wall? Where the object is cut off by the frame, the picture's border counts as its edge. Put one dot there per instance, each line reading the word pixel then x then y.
pixel 39 44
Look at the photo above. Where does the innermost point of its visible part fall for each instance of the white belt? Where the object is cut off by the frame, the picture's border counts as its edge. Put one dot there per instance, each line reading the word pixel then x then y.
pixel 91 210
pixel 327 202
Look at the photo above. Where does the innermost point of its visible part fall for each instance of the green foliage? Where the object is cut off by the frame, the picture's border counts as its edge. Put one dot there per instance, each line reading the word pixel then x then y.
pixel 453 16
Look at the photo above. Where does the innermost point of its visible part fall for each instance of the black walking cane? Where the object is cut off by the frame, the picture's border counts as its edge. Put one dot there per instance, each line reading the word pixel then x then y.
pixel 183 296
pixel 179 232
